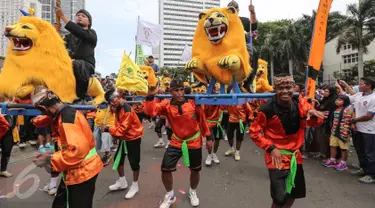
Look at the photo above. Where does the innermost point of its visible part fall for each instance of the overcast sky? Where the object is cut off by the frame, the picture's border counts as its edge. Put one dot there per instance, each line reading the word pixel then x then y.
pixel 116 22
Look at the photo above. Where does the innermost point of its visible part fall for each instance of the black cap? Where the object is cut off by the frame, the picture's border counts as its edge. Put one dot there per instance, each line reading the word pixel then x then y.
pixel 85 12
pixel 233 4
pixel 176 84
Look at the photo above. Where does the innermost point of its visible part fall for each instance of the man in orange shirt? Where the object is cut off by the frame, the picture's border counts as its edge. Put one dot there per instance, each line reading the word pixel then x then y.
pixel 76 157
pixel 189 125
pixel 129 130
pixel 279 129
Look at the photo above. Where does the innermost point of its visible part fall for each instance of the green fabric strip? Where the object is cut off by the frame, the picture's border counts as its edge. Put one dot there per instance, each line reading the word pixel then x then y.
pixel 218 125
pixel 122 147
pixel 91 154
pixel 185 149
pixel 242 127
pixel 293 170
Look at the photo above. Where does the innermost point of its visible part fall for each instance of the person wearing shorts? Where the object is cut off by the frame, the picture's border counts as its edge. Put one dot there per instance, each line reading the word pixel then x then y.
pixel 340 134
pixel 105 116
pixel 189 125
pixel 214 115
pixel 279 130
pixel 129 130
pixel 238 115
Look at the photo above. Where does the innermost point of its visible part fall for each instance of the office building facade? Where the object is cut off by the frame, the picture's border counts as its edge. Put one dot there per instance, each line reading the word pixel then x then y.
pixel 9 14
pixel 179 20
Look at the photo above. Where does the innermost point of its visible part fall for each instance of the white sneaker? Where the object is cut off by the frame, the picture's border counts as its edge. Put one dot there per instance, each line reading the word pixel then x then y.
pixel 50 190
pixel 230 151
pixel 119 185
pixel 225 137
pixel 133 190
pixel 166 146
pixel 32 142
pixel 215 158
pixel 159 144
pixel 22 145
pixel 152 125
pixel 248 131
pixel 194 201
pixel 165 133
pixel 209 160
pixel 5 174
pixel 237 156
pixel 168 201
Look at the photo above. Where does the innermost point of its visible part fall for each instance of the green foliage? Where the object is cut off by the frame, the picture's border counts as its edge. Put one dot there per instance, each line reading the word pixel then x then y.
pixel 113 75
pixel 176 72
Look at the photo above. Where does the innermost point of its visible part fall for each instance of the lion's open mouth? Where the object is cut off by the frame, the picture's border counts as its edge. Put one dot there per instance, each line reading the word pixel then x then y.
pixel 21 44
pixel 217 32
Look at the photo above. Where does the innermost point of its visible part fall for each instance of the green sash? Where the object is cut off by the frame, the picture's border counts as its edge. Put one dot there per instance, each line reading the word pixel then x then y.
pixel 91 154
pixel 218 124
pixel 185 149
pixel 123 148
pixel 293 170
pixel 242 127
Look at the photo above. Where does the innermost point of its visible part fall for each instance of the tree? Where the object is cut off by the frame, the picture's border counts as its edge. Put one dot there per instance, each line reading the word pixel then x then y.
pixel 358 30
pixel 113 75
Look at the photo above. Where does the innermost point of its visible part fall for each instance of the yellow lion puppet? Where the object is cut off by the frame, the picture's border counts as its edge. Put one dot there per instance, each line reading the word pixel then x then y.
pixel 262 84
pixel 219 47
pixel 37 56
pixel 165 82
pixel 150 75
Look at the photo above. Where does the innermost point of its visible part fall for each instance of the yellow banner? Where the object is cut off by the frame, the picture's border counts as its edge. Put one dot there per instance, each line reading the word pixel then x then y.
pixel 131 77
pixel 317 45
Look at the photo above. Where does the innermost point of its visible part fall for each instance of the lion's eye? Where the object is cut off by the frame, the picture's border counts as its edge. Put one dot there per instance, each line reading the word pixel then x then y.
pixel 220 15
pixel 26 27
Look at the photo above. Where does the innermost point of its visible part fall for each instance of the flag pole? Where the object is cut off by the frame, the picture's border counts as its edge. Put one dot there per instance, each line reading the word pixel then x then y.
pixel 58 21
pixel 136 47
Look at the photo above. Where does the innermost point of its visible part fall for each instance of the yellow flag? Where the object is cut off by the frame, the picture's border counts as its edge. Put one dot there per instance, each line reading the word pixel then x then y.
pixel 130 77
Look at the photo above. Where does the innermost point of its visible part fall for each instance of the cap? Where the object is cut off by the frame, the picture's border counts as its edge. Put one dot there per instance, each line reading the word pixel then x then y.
pixel 233 4
pixel 85 12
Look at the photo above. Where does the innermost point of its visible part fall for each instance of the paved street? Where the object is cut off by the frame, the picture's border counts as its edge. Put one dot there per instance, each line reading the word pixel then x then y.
pixel 231 184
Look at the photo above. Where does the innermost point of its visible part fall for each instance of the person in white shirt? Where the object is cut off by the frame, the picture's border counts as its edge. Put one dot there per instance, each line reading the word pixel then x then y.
pixel 364 136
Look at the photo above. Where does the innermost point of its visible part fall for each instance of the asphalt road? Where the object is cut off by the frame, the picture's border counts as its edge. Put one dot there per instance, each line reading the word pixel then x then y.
pixel 242 184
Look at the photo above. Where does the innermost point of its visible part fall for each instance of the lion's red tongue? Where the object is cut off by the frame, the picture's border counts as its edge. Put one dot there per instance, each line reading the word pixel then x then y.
pixel 214 32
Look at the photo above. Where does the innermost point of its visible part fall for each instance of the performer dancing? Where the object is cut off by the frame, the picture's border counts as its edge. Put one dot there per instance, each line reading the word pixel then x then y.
pixel 188 123
pixel 279 130
pixel 214 115
pixel 76 156
pixel 6 141
pixel 238 115
pixel 129 130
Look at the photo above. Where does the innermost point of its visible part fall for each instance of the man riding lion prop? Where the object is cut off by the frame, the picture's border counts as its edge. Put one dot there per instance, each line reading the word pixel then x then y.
pixel 37 56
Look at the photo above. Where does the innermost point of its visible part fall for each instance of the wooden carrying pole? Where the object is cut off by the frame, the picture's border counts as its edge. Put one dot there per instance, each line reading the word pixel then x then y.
pixel 58 21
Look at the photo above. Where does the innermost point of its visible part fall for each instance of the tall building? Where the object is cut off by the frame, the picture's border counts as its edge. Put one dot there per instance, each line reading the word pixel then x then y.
pixel 179 20
pixel 342 63
pixel 69 7
pixel 9 14
pixel 48 10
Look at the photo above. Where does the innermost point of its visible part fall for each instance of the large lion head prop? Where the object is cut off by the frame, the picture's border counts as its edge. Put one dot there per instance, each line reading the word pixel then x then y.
pixel 149 75
pixel 36 56
pixel 219 47
pixel 262 82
